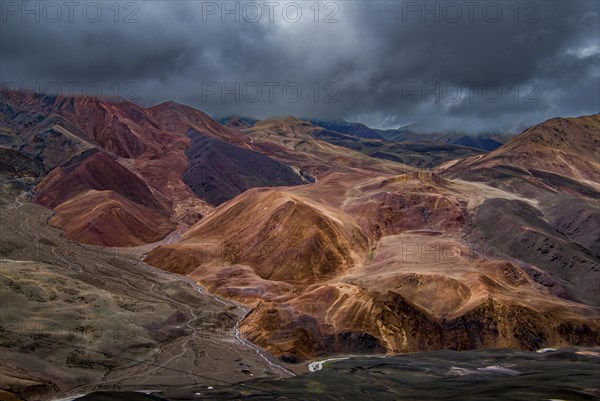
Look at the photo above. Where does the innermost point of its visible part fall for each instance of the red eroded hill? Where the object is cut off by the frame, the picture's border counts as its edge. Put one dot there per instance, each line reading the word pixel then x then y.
pixel 98 201
pixel 122 128
pixel 98 171
pixel 109 219
pixel 179 118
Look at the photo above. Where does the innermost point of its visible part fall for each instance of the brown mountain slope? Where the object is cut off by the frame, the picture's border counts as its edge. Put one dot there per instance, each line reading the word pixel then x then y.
pixel 109 219
pixel 414 201
pixel 284 238
pixel 573 143
pixel 121 128
pixel 568 147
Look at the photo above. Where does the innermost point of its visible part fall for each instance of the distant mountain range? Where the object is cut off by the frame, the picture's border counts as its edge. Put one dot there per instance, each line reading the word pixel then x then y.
pixel 485 141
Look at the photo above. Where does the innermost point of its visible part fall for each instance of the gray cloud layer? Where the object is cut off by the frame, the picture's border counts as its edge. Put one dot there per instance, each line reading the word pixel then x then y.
pixel 384 63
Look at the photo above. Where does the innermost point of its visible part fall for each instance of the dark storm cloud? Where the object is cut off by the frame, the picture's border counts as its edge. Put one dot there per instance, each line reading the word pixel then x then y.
pixel 384 63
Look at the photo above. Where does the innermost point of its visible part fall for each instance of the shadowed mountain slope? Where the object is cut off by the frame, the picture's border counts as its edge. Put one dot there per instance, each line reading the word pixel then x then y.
pixel 219 171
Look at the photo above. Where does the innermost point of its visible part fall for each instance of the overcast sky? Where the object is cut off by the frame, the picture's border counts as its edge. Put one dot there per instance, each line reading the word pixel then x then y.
pixel 467 66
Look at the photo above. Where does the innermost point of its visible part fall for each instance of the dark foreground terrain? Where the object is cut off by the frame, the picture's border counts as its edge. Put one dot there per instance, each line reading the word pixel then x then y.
pixel 565 374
